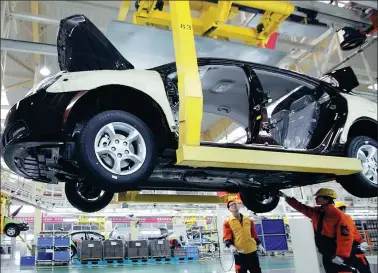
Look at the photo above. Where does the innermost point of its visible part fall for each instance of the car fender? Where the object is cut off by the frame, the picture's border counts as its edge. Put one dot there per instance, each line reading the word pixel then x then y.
pixel 358 108
pixel 148 82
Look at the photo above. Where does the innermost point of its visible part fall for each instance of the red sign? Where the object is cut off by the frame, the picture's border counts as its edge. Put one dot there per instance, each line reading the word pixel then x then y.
pixel 52 220
pixel 119 220
pixel 146 220
pixel 26 219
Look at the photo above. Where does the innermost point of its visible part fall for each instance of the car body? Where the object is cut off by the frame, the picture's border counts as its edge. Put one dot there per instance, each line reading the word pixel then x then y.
pixel 49 134
pixel 12 226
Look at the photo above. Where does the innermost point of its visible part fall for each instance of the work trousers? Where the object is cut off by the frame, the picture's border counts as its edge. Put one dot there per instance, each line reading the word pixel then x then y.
pixel 360 262
pixel 247 263
pixel 357 260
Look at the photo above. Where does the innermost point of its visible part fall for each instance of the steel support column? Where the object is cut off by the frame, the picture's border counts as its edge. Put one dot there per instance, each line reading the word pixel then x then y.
pixel 189 84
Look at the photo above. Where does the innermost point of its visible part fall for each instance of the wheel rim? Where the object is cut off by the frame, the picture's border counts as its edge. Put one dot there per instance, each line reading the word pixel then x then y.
pixel 368 156
pixel 120 148
pixel 11 231
pixel 264 198
pixel 89 193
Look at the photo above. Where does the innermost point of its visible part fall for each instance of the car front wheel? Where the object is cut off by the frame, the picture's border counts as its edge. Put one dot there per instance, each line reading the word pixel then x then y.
pixel 86 197
pixel 117 149
pixel 363 184
pixel 259 202
pixel 12 230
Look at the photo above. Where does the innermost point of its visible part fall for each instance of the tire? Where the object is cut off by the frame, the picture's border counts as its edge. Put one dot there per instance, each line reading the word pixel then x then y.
pixel 254 201
pixel 73 251
pixel 97 167
pixel 12 230
pixel 358 184
pixel 83 196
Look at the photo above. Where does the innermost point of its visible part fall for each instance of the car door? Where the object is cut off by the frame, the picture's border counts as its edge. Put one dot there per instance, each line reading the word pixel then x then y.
pixel 228 99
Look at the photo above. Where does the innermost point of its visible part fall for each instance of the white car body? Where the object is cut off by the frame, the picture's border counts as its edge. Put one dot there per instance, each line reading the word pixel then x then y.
pixel 358 107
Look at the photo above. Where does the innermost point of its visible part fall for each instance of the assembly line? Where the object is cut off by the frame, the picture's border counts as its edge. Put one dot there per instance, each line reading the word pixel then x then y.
pixel 189 136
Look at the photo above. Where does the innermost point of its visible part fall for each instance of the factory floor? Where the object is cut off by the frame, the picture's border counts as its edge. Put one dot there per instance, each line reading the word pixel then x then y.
pixel 269 265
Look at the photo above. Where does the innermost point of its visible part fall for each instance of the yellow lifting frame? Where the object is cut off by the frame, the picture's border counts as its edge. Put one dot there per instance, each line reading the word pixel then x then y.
pixel 4 200
pixel 190 153
pixel 172 199
pixel 212 21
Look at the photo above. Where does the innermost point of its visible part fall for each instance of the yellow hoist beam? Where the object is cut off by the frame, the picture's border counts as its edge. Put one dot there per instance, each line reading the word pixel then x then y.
pixel 4 199
pixel 27 245
pixel 124 10
pixel 172 199
pixel 213 23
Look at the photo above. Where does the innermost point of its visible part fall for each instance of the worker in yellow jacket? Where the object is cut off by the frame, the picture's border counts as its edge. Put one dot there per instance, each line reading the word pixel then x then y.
pixel 239 234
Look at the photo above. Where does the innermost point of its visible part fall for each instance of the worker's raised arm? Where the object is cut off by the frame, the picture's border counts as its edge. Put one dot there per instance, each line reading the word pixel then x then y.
pixel 302 208
pixel 228 239
pixel 344 237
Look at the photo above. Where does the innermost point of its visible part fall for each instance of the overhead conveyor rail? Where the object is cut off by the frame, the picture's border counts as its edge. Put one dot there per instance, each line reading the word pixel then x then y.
pixel 212 23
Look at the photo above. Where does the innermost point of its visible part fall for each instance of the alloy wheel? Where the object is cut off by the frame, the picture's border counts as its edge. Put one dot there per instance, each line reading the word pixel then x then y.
pixel 120 148
pixel 368 156
pixel 11 231
pixel 88 192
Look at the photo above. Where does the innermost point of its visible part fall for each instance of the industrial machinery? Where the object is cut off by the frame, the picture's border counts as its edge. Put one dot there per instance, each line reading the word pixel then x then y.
pixel 147 136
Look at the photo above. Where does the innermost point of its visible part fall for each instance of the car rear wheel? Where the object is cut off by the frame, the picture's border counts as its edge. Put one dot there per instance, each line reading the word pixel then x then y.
pixel 259 202
pixel 363 184
pixel 118 149
pixel 86 197
pixel 73 251
pixel 12 230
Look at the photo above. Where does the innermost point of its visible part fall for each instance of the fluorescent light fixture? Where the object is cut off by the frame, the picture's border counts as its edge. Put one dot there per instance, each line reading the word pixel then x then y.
pixel 44 71
pixel 371 86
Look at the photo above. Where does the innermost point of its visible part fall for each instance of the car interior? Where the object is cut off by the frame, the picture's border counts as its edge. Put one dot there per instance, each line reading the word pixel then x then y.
pixel 295 111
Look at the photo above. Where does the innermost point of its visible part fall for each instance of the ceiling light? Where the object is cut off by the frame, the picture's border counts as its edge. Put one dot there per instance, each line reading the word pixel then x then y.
pixel 371 86
pixel 44 71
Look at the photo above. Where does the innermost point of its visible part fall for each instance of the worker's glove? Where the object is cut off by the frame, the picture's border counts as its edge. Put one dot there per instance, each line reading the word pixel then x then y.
pixel 338 260
pixel 234 250
pixel 281 194
pixel 261 249
pixel 364 246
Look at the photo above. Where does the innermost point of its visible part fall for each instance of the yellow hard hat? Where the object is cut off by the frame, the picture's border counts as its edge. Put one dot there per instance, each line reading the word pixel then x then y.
pixel 340 204
pixel 326 192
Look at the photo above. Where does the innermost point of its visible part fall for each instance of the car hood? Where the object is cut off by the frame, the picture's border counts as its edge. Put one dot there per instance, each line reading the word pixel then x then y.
pixel 82 46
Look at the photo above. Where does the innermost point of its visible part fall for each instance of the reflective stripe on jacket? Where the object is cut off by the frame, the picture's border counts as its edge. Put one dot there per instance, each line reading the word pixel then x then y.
pixel 336 226
pixel 242 235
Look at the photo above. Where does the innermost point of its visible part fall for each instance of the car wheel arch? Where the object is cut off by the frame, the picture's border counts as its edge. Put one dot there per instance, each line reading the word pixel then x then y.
pixel 363 126
pixel 156 119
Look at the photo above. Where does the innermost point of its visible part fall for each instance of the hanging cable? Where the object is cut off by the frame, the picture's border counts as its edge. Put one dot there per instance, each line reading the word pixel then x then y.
pixel 219 253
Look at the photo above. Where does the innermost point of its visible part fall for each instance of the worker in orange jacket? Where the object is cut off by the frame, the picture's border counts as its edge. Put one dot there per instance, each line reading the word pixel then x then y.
pixel 333 236
pixel 360 263
pixel 239 234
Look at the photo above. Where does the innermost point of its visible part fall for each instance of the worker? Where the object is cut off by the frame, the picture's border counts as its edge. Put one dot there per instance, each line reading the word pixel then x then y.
pixel 239 234
pixel 333 236
pixel 361 263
